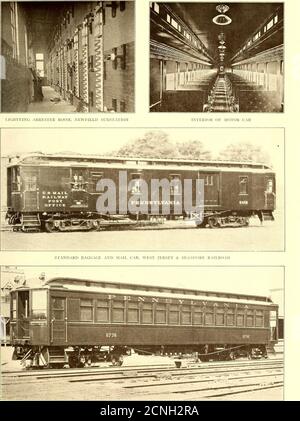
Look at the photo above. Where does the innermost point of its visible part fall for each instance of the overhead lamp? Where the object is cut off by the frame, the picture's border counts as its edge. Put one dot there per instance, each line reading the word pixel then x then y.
pixel 222 8
pixel 222 20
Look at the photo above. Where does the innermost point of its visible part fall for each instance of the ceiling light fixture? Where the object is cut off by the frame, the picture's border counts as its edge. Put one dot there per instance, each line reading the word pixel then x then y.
pixel 222 20
pixel 222 8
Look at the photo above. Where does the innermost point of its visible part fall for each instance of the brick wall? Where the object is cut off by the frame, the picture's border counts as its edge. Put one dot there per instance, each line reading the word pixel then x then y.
pixel 17 87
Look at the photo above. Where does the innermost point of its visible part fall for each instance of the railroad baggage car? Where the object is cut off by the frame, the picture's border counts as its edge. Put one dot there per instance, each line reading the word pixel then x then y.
pixel 60 193
pixel 69 321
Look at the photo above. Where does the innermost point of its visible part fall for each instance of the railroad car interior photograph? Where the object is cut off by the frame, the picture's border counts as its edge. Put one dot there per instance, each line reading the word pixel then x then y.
pixel 210 194
pixel 216 57
pixel 102 333
pixel 68 56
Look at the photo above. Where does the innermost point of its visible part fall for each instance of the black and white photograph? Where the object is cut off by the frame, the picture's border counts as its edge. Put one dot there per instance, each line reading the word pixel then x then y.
pixel 159 190
pixel 97 333
pixel 68 56
pixel 217 57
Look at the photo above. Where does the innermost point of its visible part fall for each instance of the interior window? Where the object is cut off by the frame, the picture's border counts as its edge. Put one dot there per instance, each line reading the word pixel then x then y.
pixel 240 318
pixel 78 181
pixel 198 316
pixel 133 312
pixel 186 315
pixel 243 185
pixel 220 317
pixel 174 314
pixel 39 62
pixel 209 316
pixel 230 317
pixel 175 184
pixel 30 183
pixel 259 318
pixel 118 311
pixel 269 188
pixel 39 304
pixel 147 313
pixel 102 313
pixel 209 180
pixel 16 179
pixel 86 310
pixel 161 314
pixel 250 318
pixel 136 183
pixel 14 306
pixel 96 176
pixel 58 308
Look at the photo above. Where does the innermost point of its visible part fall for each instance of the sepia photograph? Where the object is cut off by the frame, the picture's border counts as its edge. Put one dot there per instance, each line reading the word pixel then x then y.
pixel 68 56
pixel 142 189
pixel 214 57
pixel 149 259
pixel 97 333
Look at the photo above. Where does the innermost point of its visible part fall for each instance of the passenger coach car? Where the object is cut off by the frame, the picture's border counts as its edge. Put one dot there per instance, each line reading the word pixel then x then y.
pixel 59 193
pixel 68 321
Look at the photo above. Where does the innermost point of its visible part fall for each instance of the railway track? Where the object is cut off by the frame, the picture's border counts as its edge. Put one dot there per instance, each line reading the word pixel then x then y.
pixel 233 390
pixel 224 380
pixel 93 370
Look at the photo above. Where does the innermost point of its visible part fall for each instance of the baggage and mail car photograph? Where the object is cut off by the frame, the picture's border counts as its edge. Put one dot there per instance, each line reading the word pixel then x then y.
pixel 214 189
pixel 214 57
pixel 105 333
pixel 68 56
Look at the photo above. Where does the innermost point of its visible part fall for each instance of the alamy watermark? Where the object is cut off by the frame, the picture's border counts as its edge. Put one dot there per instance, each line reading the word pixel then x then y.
pixel 153 197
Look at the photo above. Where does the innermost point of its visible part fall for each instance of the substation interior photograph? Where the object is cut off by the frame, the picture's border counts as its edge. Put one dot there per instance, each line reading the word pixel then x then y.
pixel 213 57
pixel 63 57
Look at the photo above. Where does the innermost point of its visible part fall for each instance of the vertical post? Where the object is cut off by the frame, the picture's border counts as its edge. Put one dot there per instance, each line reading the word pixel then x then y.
pixel 85 69
pixel 266 76
pixel 60 70
pixel 76 60
pixel 99 58
pixel 65 70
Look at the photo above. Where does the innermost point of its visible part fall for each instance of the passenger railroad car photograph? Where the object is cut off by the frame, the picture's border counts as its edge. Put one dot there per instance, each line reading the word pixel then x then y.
pixel 68 56
pixel 216 57
pixel 105 333
pixel 143 190
pixel 172 189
